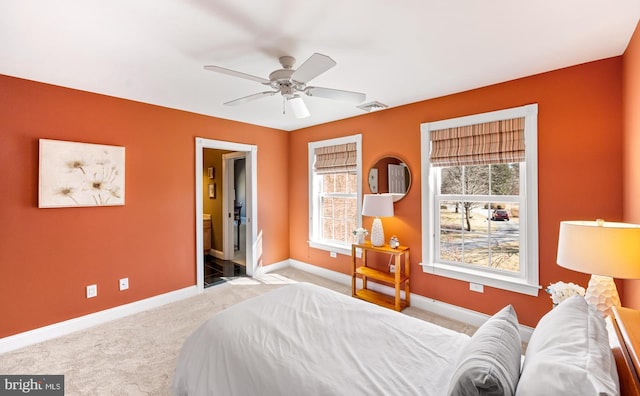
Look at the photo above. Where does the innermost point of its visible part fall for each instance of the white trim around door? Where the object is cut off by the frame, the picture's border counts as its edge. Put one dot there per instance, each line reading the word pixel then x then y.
pixel 251 202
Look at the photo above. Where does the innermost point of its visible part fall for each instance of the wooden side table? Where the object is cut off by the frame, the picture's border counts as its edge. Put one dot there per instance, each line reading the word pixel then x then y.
pixel 398 279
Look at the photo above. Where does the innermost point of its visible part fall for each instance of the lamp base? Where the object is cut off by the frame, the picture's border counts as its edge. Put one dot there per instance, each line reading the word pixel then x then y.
pixel 602 293
pixel 377 233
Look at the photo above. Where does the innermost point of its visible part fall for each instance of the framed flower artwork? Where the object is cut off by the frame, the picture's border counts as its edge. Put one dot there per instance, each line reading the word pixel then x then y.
pixel 80 174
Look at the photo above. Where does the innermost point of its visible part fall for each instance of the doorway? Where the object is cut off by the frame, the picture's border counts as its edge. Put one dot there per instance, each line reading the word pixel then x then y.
pixel 248 153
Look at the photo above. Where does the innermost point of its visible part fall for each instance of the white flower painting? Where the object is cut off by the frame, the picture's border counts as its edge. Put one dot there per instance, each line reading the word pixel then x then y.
pixel 80 174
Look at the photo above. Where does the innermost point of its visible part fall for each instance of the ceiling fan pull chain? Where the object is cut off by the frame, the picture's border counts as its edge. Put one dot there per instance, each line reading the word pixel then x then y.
pixel 284 107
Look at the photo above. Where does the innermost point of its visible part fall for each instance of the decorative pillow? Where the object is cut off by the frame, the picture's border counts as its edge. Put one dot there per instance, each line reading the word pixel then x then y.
pixel 569 354
pixel 490 362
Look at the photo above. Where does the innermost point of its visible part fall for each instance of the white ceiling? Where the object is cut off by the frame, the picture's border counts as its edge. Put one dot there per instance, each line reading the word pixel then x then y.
pixel 397 52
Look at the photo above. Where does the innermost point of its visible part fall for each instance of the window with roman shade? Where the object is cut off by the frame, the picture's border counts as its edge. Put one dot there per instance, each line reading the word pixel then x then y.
pixel 479 189
pixel 335 190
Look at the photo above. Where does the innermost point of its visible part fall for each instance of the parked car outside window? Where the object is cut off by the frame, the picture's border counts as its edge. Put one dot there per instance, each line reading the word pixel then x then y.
pixel 500 214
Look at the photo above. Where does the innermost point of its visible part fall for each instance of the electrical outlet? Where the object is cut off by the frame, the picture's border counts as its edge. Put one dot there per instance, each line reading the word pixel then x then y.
pixel 124 283
pixel 92 291
pixel 333 254
pixel 476 287
pixel 392 268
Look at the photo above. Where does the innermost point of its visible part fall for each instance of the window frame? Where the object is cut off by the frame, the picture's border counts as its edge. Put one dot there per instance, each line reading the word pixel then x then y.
pixel 314 207
pixel 527 280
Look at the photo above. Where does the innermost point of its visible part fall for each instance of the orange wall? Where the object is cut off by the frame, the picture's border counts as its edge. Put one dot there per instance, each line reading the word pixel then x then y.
pixel 48 256
pixel 579 165
pixel 631 147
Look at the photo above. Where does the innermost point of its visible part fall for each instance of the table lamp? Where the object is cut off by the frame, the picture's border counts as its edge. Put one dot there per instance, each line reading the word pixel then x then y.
pixel 377 205
pixel 606 250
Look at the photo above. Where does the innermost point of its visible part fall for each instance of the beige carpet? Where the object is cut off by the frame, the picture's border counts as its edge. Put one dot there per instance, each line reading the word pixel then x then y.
pixel 136 355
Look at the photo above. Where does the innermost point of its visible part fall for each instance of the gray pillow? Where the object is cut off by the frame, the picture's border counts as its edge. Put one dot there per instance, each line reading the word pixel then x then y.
pixel 490 362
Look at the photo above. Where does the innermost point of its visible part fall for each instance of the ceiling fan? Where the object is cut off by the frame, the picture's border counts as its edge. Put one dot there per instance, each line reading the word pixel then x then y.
pixel 291 83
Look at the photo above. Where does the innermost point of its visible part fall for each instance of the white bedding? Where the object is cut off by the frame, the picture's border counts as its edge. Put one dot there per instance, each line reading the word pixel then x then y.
pixel 303 339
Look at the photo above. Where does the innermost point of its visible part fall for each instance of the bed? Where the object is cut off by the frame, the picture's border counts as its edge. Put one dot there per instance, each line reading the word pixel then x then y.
pixel 302 339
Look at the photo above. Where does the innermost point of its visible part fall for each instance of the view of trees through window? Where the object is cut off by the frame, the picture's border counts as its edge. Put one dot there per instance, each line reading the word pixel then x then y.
pixel 338 206
pixel 479 215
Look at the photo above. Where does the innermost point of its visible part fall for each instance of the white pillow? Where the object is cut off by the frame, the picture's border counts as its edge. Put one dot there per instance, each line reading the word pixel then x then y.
pixel 569 354
pixel 490 362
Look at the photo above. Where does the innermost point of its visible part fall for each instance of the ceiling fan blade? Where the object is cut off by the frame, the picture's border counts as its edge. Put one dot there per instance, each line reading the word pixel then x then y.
pixel 250 98
pixel 312 68
pixel 337 94
pixel 237 74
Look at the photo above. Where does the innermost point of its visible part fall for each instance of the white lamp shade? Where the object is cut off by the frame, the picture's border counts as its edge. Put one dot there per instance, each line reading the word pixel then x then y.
pixel 377 205
pixel 601 248
pixel 298 107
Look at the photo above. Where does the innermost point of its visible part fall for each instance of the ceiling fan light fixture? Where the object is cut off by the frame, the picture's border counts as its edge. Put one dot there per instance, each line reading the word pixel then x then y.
pixel 289 82
pixel 372 106
pixel 298 107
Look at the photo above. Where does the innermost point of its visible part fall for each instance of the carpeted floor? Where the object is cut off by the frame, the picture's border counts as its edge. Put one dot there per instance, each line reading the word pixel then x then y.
pixel 136 355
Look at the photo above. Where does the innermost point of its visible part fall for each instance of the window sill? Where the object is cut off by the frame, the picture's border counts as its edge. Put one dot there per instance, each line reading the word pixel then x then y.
pixel 335 248
pixel 492 280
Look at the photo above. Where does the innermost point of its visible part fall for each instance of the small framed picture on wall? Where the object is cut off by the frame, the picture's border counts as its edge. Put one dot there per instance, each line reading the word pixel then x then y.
pixel 212 173
pixel 212 190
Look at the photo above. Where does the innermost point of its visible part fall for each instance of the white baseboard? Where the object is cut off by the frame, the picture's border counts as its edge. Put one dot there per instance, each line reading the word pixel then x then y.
pixel 450 311
pixel 273 267
pixel 55 330
pixel 323 272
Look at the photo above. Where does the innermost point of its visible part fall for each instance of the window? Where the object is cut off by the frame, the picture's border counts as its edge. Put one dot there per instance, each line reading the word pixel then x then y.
pixel 335 192
pixel 479 191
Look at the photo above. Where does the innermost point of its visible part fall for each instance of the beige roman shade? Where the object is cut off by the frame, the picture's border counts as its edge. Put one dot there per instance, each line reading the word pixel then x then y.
pixel 495 142
pixel 338 158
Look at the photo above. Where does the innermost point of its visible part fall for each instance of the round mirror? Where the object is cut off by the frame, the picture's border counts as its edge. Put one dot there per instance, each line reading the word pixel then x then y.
pixel 390 175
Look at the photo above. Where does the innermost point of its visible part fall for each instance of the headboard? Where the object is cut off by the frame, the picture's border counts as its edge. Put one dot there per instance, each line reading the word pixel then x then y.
pixel 625 345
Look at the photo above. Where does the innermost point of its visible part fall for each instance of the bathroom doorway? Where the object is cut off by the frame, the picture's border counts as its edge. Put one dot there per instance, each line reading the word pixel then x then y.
pixel 219 185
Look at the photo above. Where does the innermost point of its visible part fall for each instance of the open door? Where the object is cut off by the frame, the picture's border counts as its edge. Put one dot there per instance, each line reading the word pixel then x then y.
pixel 235 190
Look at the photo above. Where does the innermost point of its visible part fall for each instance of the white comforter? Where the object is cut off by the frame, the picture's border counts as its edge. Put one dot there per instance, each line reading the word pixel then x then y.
pixel 303 339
